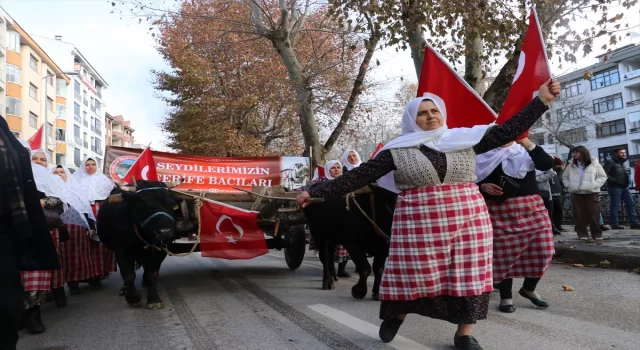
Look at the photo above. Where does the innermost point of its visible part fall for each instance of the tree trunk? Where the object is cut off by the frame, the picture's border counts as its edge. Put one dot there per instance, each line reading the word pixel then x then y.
pixel 356 91
pixel 304 96
pixel 417 45
pixel 473 64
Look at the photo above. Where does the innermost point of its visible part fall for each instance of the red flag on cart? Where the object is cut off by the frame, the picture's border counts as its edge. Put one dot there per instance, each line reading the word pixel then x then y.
pixel 533 71
pixel 35 142
pixel 464 107
pixel 144 168
pixel 375 152
pixel 231 233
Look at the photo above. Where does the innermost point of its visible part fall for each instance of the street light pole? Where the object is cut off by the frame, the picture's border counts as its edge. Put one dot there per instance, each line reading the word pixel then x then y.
pixel 46 114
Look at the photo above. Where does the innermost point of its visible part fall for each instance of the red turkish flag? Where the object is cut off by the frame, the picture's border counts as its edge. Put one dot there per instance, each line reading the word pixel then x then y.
pixel 375 152
pixel 231 233
pixel 533 71
pixel 320 172
pixel 35 142
pixel 144 168
pixel 464 107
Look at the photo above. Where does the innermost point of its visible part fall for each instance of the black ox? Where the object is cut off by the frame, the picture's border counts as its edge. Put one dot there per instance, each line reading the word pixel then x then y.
pixel 337 221
pixel 135 222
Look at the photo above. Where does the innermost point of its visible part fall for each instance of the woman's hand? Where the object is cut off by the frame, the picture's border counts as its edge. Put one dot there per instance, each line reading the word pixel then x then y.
pixel 525 142
pixel 42 203
pixel 491 189
pixel 549 91
pixel 91 233
pixel 302 198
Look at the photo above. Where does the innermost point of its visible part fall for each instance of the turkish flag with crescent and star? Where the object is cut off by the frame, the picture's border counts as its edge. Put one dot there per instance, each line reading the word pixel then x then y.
pixel 230 233
pixel 464 107
pixel 533 71
pixel 144 168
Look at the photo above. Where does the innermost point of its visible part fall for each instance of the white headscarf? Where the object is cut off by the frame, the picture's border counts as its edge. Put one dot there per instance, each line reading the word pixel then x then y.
pixel 515 162
pixel 442 139
pixel 25 144
pixel 95 187
pixel 45 182
pixel 328 167
pixel 345 159
pixel 79 203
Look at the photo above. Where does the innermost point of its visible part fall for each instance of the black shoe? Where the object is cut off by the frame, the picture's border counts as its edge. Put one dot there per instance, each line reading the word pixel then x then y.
pixel 541 303
pixel 60 297
pixel 74 287
pixel 95 284
pixel 34 321
pixel 466 342
pixel 604 228
pixel 509 309
pixel 342 270
pixel 389 328
pixel 618 227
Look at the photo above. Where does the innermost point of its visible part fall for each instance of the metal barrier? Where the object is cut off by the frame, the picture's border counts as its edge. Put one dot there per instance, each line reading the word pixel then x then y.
pixel 605 204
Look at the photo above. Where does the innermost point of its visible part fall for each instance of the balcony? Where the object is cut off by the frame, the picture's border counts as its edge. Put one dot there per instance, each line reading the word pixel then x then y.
pixel 633 103
pixel 116 135
pixel 631 75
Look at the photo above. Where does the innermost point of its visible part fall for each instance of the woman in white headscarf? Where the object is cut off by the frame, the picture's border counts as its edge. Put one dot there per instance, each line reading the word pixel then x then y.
pixel 440 257
pixel 523 244
pixel 79 256
pixel 351 160
pixel 96 188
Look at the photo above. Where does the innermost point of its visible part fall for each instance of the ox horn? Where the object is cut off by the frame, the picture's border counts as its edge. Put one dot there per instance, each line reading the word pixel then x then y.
pixel 127 188
pixel 174 184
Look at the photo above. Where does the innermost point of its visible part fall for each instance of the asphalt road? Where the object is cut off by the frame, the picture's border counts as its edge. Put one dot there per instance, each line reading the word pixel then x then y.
pixel 261 304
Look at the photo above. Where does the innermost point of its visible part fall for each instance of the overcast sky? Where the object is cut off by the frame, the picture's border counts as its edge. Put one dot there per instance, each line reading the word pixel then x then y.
pixel 123 53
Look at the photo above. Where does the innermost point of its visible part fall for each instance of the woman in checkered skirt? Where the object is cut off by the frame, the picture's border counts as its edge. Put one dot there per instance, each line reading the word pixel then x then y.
pixel 78 256
pixel 440 257
pixel 96 187
pixel 523 244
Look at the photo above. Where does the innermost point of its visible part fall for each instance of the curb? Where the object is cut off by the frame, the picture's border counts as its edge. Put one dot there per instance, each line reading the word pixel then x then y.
pixel 620 258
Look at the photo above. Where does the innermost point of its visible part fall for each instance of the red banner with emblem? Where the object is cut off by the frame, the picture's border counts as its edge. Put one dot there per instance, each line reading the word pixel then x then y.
pixel 211 174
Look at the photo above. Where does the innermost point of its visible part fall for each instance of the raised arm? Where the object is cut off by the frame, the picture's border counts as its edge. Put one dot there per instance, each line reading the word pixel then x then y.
pixel 359 177
pixel 512 128
pixel 541 159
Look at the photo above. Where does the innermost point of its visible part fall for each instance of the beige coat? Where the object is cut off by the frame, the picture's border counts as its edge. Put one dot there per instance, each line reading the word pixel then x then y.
pixel 590 182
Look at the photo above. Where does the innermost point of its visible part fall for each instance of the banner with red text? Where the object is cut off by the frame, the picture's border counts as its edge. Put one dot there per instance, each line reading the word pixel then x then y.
pixel 212 174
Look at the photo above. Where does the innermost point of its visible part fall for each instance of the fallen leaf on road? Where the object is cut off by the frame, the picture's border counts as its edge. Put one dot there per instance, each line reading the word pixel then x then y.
pixel 605 263
pixel 577 265
pixel 567 288
pixel 592 265
pixel 572 247
pixel 566 267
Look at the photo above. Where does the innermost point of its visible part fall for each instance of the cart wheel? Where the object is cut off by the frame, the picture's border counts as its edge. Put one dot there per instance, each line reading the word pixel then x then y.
pixel 297 244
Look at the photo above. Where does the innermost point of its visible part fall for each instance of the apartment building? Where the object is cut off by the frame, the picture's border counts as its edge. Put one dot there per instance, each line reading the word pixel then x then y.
pixel 84 133
pixel 599 109
pixel 119 131
pixel 32 86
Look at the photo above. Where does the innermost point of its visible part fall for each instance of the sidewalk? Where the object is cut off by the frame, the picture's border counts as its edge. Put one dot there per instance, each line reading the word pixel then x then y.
pixel 621 248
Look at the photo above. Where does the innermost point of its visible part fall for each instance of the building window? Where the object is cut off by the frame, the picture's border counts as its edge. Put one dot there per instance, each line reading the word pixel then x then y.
pixel 84 119
pixel 33 120
pixel 605 78
pixel 76 131
pixel 608 103
pixel 49 78
pixel 76 112
pixel 572 88
pixel 61 88
pixel 13 41
pixel 33 62
pixel 538 139
pixel 61 134
pixel 33 92
pixel 13 106
pixel 98 90
pixel 98 144
pixel 60 158
pixel 570 113
pixel 49 104
pixel 76 90
pixel 61 111
pixel 13 74
pixel 614 127
pixel 76 157
pixel 574 135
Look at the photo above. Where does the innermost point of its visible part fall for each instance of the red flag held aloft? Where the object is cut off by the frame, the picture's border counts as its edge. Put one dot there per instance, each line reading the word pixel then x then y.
pixel 464 107
pixel 144 168
pixel 533 71
pixel 375 152
pixel 35 142
pixel 231 233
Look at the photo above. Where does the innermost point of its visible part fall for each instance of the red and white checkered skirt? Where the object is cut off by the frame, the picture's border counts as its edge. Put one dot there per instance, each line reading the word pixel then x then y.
pixel 523 244
pixel 341 254
pixel 441 244
pixel 106 258
pixel 80 262
pixel 36 280
pixel 57 276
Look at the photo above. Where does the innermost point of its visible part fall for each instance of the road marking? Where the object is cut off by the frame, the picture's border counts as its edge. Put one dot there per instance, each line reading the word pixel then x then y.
pixel 365 328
